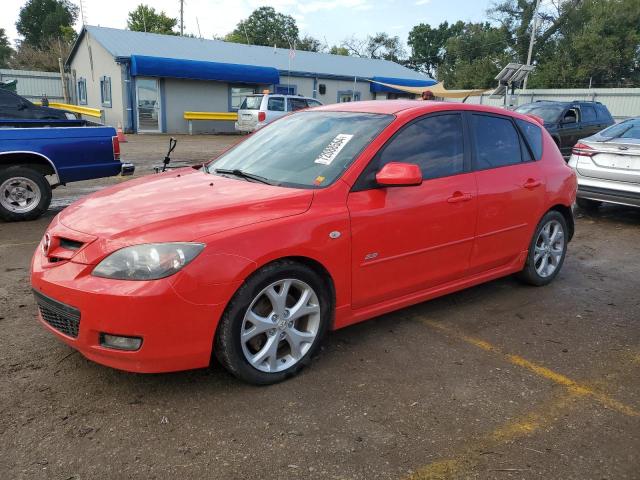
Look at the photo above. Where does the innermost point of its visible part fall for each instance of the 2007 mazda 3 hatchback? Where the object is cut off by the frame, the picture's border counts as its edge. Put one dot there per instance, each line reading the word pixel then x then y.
pixel 324 218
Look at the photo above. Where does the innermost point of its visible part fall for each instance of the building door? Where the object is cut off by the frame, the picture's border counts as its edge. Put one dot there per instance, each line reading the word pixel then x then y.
pixel 148 104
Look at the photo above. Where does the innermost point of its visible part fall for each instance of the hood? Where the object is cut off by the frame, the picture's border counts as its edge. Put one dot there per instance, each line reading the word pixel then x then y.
pixel 181 205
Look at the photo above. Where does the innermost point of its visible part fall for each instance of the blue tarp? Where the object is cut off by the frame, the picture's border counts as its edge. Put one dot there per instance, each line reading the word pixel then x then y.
pixel 223 72
pixel 376 87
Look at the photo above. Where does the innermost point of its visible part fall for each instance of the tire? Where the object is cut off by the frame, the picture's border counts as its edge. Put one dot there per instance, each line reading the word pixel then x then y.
pixel 547 250
pixel 588 205
pixel 283 339
pixel 20 185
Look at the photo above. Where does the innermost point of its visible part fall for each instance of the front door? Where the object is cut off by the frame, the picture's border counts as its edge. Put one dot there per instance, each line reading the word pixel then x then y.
pixel 407 239
pixel 511 192
pixel 148 105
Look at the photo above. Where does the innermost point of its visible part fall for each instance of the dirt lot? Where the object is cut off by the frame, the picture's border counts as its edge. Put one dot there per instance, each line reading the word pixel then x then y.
pixel 499 381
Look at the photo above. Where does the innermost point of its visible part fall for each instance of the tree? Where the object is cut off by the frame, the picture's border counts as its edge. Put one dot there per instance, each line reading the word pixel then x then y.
pixel 597 42
pixel 473 58
pixel 310 44
pixel 427 45
pixel 338 50
pixel 145 19
pixel 44 57
pixel 5 49
pixel 379 46
pixel 41 20
pixel 266 27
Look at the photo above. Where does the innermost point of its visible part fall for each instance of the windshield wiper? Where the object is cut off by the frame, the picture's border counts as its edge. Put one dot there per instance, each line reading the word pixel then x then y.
pixel 236 172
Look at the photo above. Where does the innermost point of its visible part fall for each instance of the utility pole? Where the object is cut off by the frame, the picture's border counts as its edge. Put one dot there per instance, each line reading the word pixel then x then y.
pixel 181 18
pixel 534 27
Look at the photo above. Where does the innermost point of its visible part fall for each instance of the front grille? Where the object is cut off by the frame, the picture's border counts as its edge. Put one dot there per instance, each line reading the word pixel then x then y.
pixel 62 317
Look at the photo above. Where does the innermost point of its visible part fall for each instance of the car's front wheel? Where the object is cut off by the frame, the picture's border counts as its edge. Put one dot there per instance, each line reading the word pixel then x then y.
pixel 274 323
pixel 547 250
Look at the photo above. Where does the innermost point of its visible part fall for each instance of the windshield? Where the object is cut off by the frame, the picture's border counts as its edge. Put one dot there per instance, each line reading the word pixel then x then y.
pixel 306 149
pixel 549 113
pixel 626 129
pixel 251 103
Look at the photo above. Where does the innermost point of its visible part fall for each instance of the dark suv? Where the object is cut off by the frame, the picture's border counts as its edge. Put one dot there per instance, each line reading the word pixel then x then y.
pixel 14 106
pixel 568 122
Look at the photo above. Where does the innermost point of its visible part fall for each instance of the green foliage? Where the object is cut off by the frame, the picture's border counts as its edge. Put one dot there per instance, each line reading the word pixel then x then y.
pixel 266 27
pixel 309 44
pixel 41 20
pixel 474 57
pixel 597 42
pixel 5 49
pixel 427 45
pixel 337 50
pixel 146 19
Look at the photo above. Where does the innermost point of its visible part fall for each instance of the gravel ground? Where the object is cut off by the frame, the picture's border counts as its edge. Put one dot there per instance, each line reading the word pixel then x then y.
pixel 499 381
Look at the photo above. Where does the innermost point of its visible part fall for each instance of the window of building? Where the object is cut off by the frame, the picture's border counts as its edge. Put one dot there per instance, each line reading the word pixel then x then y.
pixel 497 142
pixel 348 96
pixel 82 91
pixel 533 134
pixel 237 95
pixel 433 143
pixel 105 91
pixel 286 89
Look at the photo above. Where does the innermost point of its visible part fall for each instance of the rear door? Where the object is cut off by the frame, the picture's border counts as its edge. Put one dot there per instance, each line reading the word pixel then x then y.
pixel 408 239
pixel 511 191
pixel 248 112
pixel 590 123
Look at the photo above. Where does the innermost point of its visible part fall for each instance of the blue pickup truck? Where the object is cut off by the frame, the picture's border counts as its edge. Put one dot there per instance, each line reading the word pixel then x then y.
pixel 37 156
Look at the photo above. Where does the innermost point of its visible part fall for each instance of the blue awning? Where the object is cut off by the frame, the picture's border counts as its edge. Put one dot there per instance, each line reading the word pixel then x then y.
pixel 376 87
pixel 222 72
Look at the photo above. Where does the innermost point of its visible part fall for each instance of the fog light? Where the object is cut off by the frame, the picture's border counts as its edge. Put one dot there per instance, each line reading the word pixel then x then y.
pixel 118 342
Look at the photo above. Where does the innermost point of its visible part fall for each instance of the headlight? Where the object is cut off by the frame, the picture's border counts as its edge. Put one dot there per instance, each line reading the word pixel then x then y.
pixel 70 116
pixel 148 261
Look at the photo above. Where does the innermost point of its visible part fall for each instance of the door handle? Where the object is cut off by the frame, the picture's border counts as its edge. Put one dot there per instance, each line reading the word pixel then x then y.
pixel 458 197
pixel 531 183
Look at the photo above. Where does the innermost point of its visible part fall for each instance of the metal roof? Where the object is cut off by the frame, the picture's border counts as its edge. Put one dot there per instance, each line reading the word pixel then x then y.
pixel 125 43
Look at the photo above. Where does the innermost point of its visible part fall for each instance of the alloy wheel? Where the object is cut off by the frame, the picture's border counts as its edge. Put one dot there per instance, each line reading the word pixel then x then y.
pixel 549 248
pixel 280 325
pixel 19 194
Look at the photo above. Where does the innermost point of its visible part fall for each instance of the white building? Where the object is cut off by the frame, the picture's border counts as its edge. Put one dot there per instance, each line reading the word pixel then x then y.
pixel 146 81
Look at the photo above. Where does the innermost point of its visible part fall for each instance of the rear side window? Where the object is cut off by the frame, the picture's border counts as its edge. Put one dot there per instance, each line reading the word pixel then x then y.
pixel 497 142
pixel 588 114
pixel 533 134
pixel 251 103
pixel 603 113
pixel 296 104
pixel 276 104
pixel 433 143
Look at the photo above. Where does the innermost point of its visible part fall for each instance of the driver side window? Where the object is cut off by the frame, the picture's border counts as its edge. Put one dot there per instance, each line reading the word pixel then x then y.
pixel 571 116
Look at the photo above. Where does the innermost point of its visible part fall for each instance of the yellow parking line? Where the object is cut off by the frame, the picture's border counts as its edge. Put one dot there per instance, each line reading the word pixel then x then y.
pixel 573 386
pixel 468 459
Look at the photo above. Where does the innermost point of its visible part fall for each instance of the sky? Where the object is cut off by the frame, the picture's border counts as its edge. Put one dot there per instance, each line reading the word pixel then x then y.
pixel 330 21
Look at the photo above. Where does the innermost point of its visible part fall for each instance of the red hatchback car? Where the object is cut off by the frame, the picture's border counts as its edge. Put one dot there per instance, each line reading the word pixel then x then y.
pixel 322 219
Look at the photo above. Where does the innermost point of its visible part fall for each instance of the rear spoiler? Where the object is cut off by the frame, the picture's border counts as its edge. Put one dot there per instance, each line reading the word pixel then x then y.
pixel 536 118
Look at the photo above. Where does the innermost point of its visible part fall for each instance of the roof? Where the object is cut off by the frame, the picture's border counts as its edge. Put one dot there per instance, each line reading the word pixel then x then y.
pixel 125 43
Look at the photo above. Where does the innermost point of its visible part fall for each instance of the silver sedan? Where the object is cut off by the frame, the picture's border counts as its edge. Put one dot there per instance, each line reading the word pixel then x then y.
pixel 608 166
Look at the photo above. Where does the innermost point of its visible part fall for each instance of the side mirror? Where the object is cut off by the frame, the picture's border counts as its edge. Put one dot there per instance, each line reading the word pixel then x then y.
pixel 396 174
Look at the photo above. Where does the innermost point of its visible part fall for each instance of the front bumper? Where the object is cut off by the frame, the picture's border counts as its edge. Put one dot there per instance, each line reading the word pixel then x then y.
pixel 177 334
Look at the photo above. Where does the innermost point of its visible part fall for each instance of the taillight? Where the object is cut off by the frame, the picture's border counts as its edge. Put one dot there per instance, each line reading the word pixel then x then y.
pixel 582 150
pixel 262 116
pixel 116 148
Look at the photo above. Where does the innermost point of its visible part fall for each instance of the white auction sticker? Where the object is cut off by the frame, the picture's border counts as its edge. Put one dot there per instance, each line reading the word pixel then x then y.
pixel 332 150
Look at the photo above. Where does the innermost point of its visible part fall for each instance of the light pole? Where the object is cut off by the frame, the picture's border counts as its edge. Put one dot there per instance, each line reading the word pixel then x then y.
pixel 534 25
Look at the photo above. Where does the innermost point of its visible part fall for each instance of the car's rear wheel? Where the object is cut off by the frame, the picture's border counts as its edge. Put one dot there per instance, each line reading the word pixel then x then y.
pixel 274 323
pixel 547 250
pixel 587 204
pixel 24 193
